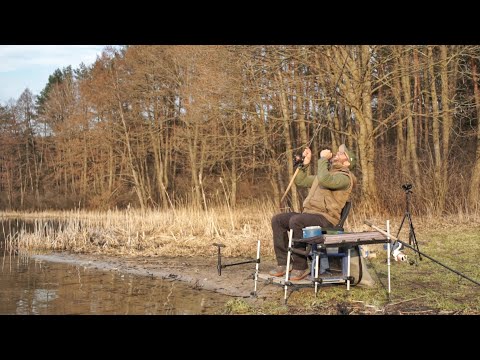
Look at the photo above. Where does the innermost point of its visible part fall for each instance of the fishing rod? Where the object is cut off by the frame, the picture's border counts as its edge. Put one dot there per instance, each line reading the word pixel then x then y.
pixel 419 252
pixel 336 102
pixel 298 163
pixel 298 160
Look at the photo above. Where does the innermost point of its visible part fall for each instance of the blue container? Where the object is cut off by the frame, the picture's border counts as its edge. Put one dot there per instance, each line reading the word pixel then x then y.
pixel 311 231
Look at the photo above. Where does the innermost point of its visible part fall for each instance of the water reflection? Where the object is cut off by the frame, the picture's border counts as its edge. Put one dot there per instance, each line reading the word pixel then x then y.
pixel 29 286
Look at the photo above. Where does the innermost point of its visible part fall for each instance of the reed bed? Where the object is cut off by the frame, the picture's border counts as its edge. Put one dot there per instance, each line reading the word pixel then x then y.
pixel 184 231
pixel 187 231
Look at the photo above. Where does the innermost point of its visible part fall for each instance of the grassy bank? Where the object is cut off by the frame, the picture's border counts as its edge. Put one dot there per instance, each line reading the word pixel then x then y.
pixel 424 288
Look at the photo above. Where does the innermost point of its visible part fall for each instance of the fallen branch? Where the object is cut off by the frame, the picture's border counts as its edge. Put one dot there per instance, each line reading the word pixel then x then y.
pixel 399 302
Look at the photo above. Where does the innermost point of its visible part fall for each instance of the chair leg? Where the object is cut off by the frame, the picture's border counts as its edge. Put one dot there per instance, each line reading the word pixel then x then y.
pixel 348 269
pixel 290 237
pixel 317 257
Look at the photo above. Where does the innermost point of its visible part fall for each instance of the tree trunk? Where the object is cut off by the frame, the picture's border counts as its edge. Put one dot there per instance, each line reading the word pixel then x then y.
pixel 411 140
pixel 158 164
pixel 357 87
pixel 272 167
pixel 473 193
pixel 139 189
pixel 194 166
pixel 368 119
pixel 301 113
pixel 439 197
pixel 400 140
pixel 446 116
pixel 417 98
pixel 288 140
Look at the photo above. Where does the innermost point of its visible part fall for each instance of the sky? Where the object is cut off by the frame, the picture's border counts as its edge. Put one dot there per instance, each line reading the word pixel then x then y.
pixel 29 66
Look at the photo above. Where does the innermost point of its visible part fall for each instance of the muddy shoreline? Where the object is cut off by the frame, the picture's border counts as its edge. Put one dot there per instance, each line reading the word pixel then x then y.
pixel 197 272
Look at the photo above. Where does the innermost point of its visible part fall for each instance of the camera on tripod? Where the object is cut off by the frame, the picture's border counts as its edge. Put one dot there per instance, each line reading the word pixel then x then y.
pixel 412 238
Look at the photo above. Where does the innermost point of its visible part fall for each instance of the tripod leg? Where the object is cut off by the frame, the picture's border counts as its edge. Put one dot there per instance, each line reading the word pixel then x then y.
pixel 412 237
pixel 401 224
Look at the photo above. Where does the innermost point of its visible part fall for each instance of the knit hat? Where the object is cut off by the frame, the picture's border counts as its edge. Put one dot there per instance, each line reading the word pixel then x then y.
pixel 350 155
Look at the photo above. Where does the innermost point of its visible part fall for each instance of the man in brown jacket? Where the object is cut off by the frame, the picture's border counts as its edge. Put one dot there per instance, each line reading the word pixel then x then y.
pixel 330 189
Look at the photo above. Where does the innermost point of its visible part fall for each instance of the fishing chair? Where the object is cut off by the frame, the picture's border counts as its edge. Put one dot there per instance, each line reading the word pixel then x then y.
pixel 311 250
pixel 337 229
pixel 343 217
pixel 324 254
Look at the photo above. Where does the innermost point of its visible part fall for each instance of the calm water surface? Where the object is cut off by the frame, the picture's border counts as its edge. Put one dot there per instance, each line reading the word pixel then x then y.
pixel 29 286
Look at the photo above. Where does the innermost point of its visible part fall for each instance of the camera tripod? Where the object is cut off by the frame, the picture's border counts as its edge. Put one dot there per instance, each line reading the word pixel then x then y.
pixel 412 238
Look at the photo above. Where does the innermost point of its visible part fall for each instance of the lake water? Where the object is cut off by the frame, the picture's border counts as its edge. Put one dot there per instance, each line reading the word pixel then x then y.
pixel 29 286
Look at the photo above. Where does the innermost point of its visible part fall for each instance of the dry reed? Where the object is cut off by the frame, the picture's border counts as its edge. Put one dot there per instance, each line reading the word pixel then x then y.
pixel 186 231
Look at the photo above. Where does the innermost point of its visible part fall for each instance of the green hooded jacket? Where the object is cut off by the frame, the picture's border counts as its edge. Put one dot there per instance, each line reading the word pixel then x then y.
pixel 330 189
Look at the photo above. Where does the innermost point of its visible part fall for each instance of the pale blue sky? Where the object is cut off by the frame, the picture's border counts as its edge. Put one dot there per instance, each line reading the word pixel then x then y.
pixel 23 66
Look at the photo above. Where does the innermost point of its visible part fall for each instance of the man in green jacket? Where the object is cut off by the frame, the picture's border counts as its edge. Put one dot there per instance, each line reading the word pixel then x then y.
pixel 330 189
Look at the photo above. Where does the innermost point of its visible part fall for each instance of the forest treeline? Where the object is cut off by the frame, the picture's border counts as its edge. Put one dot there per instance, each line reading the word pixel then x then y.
pixel 166 126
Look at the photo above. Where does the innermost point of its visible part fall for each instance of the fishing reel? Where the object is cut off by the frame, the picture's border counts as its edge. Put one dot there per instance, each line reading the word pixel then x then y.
pixel 298 161
pixel 397 254
pixel 407 188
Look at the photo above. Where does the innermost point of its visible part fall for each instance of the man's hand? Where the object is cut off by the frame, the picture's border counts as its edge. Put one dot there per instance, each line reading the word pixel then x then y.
pixel 307 156
pixel 326 153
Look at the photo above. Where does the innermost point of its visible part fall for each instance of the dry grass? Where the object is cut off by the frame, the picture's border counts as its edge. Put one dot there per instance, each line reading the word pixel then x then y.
pixel 187 231
pixel 184 232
